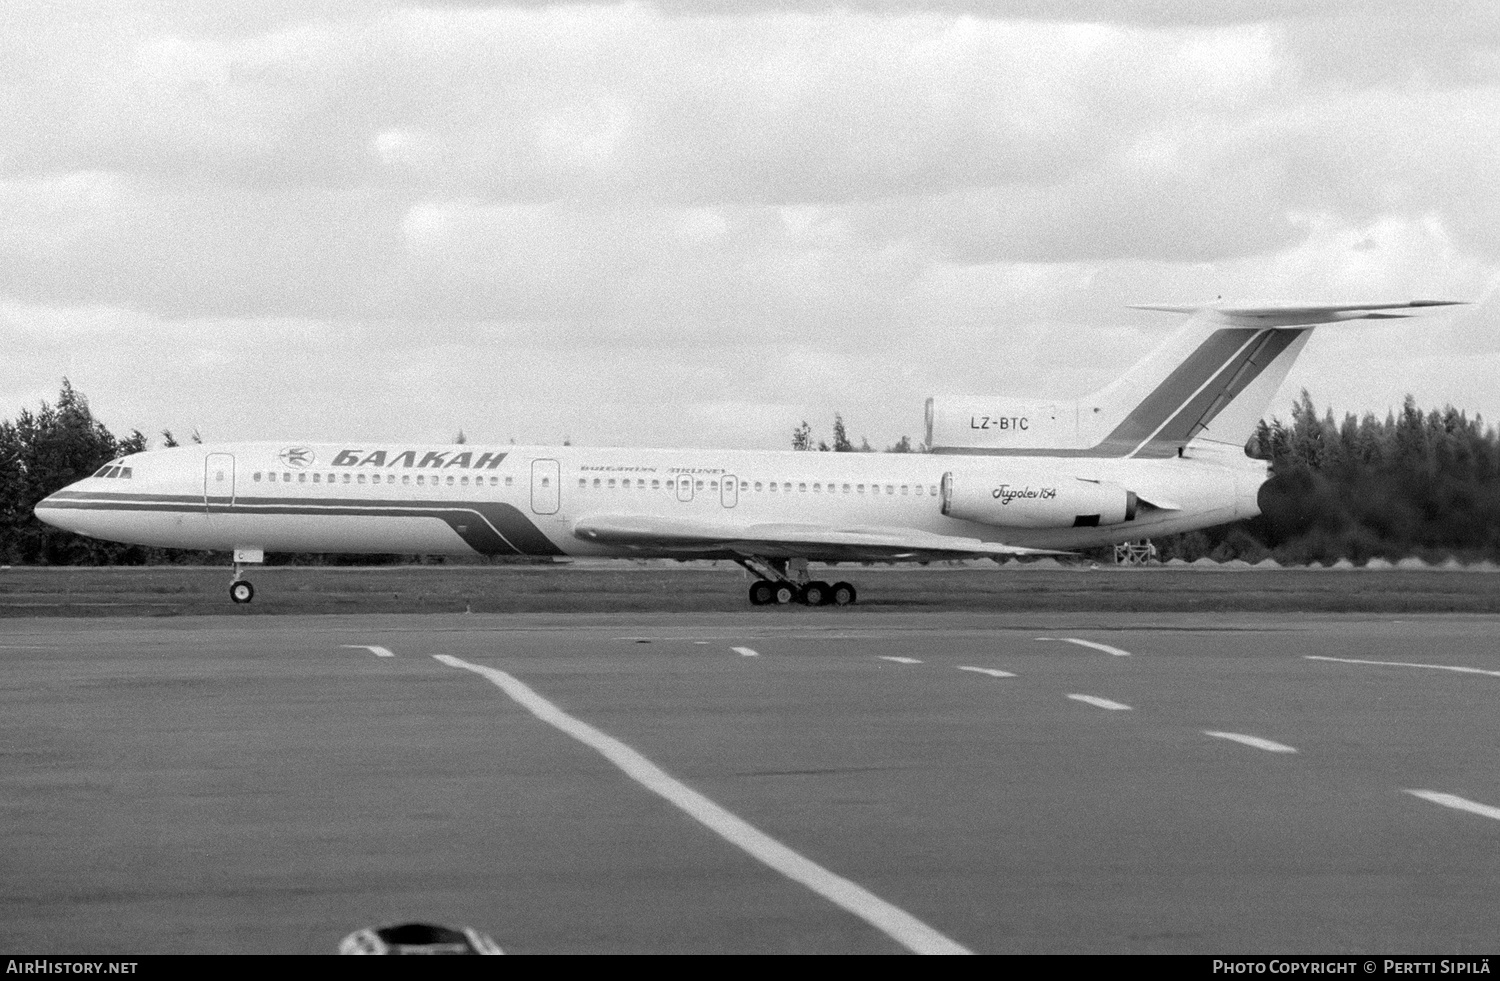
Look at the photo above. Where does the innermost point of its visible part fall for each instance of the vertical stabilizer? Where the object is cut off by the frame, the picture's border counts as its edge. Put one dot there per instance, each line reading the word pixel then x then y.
pixel 1209 381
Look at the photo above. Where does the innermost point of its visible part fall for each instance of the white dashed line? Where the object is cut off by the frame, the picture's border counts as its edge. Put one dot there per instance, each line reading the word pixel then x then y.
pixel 745 652
pixel 1457 803
pixel 899 660
pixel 896 923
pixel 1255 741
pixel 1098 702
pixel 1089 643
pixel 377 651
pixel 1403 664
pixel 992 672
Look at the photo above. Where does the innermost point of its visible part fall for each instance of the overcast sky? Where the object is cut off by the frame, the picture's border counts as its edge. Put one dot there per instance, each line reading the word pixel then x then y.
pixel 699 223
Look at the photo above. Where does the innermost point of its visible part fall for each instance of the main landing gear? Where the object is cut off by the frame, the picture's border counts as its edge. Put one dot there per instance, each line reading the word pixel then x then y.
pixel 785 581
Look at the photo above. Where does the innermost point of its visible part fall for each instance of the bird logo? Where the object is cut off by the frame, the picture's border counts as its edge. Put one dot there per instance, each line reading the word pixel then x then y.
pixel 298 457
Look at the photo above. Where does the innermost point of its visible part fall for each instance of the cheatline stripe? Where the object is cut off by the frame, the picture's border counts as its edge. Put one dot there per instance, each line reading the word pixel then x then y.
pixel 1197 415
pixel 1215 376
pixel 1403 664
pixel 1457 803
pixel 295 506
pixel 896 923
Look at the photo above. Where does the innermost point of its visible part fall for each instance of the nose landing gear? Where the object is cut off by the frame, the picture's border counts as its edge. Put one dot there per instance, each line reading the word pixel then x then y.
pixel 240 589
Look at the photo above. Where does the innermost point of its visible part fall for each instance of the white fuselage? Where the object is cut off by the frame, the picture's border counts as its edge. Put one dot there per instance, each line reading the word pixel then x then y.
pixel 508 500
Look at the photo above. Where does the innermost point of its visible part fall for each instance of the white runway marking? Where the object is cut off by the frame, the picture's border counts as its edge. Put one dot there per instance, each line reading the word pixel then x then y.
pixel 377 651
pixel 1098 702
pixel 899 660
pixel 1089 643
pixel 1457 803
pixel 992 672
pixel 745 652
pixel 1403 664
pixel 896 923
pixel 1255 741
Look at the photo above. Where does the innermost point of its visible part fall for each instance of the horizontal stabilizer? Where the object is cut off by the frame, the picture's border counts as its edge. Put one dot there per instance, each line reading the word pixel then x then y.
pixel 823 542
pixel 1300 315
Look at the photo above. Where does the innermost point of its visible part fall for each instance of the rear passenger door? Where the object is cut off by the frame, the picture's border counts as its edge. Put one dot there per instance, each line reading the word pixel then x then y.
pixel 545 487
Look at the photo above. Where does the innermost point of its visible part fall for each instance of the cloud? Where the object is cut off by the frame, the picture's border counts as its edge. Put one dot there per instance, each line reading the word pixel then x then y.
pixel 839 206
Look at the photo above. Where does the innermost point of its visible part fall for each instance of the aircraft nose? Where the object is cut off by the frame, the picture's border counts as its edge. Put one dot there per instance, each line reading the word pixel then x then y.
pixel 53 509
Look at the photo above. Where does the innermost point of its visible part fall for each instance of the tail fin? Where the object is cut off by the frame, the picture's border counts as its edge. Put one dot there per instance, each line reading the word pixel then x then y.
pixel 1213 378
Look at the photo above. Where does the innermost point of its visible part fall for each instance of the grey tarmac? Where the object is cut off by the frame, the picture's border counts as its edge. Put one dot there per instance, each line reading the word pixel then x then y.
pixel 270 784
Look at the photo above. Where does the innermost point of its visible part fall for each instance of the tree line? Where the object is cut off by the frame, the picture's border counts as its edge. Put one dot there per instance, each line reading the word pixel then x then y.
pixel 1415 483
pixel 1423 484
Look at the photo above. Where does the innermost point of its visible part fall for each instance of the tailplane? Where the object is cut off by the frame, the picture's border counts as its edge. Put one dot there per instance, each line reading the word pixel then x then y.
pixel 1210 381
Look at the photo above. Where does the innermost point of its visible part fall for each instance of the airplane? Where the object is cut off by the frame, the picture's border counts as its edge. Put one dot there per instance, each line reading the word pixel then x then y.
pixel 1160 450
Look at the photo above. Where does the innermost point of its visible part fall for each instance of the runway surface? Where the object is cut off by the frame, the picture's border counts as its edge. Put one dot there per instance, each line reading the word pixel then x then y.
pixel 822 781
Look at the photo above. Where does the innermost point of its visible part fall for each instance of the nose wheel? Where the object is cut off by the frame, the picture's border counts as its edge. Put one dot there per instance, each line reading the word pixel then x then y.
pixel 241 591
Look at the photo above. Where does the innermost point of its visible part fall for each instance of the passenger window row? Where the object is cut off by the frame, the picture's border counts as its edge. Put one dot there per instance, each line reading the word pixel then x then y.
pixel 420 480
pixel 785 487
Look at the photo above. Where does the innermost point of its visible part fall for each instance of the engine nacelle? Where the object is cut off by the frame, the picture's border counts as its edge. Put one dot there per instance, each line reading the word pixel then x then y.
pixel 1036 501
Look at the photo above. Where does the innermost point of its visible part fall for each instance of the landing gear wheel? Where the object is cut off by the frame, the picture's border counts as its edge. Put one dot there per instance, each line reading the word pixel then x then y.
pixel 783 593
pixel 842 595
pixel 762 593
pixel 816 594
pixel 241 591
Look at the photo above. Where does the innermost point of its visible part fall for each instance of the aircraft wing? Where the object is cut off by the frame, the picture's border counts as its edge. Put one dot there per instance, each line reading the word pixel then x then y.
pixel 785 540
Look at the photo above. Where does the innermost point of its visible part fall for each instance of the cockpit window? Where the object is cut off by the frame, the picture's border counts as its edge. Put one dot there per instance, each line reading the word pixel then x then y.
pixel 112 470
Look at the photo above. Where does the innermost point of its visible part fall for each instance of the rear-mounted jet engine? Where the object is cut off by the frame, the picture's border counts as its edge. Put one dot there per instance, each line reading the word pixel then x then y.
pixel 1034 501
